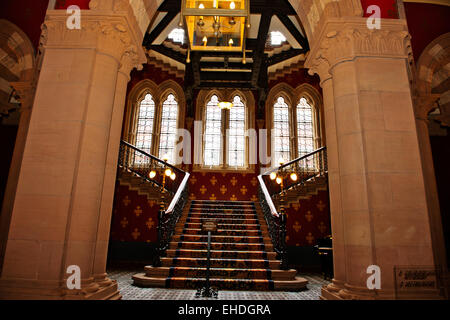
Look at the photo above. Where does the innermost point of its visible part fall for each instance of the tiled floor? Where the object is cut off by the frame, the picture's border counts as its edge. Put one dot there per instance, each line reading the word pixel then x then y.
pixel 131 292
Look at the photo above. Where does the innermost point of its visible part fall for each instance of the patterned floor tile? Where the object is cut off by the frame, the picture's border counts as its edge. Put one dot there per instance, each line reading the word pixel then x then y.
pixel 131 292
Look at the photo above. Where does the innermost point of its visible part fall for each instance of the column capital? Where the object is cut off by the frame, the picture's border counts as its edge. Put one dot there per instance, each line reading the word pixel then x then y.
pixel 108 32
pixel 345 39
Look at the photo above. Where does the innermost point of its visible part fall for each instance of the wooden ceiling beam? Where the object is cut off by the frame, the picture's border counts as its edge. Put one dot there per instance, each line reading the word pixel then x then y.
pixel 175 55
pixel 284 56
pixel 150 37
pixel 258 57
pixel 286 21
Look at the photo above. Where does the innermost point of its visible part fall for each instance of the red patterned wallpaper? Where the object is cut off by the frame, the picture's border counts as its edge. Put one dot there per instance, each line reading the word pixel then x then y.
pixel 134 217
pixel 223 186
pixel 308 220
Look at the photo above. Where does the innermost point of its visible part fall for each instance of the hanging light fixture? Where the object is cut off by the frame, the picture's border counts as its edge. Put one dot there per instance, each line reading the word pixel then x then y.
pixel 223 23
pixel 225 105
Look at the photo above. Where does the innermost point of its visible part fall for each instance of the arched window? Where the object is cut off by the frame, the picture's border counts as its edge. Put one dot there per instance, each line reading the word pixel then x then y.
pixel 168 132
pixel 281 138
pixel 145 123
pixel 305 132
pixel 228 132
pixel 154 113
pixel 236 136
pixel 293 120
pixel 213 132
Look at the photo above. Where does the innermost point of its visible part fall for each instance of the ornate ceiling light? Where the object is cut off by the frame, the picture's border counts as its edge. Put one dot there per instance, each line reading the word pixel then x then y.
pixel 216 25
pixel 225 105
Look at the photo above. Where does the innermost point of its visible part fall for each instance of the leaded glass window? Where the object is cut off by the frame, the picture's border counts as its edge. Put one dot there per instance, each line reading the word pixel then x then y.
pixel 168 128
pixel 305 131
pixel 281 130
pixel 236 140
pixel 145 123
pixel 213 132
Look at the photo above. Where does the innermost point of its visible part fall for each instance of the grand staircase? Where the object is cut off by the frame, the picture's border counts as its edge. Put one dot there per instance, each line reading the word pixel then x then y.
pixel 242 254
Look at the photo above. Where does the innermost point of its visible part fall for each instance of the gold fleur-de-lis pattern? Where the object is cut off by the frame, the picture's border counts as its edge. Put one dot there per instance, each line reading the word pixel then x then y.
pixel 134 216
pixel 224 186
pixel 308 220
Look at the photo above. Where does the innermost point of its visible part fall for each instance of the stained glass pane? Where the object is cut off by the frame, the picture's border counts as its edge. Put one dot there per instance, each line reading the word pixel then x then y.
pixel 146 117
pixel 281 130
pixel 236 134
pixel 305 130
pixel 169 119
pixel 213 134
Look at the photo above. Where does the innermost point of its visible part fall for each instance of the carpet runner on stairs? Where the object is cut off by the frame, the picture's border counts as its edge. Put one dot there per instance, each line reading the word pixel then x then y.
pixel 242 255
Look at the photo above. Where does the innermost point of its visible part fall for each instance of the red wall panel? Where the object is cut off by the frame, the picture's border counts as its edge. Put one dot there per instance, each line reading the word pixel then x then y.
pixel 28 15
pixel 223 186
pixel 388 8
pixel 134 217
pixel 308 220
pixel 64 4
pixel 426 22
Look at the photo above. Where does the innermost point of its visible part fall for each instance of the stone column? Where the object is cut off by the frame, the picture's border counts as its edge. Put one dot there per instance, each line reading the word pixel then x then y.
pixel 423 106
pixel 375 167
pixel 334 186
pixel 101 249
pixel 60 216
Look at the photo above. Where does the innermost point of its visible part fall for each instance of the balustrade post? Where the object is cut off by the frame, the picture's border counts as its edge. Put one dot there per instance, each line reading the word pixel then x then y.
pixel 158 250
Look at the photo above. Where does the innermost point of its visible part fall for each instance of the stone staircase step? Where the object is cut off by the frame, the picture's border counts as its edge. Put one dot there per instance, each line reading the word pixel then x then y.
pixel 221 215
pixel 220 273
pixel 225 226
pixel 223 220
pixel 222 246
pixel 187 253
pixel 220 263
pixel 227 232
pixel 222 284
pixel 218 238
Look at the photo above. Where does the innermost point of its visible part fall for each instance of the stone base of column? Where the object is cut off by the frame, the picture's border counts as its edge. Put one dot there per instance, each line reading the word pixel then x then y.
pixel 51 290
pixel 335 291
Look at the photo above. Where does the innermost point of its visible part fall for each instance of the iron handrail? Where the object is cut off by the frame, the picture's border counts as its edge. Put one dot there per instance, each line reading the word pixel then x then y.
pixel 266 194
pixel 152 157
pixel 177 196
pixel 294 161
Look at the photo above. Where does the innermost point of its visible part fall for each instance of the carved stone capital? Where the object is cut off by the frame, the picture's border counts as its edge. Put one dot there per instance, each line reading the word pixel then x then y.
pixel 343 40
pixel 107 32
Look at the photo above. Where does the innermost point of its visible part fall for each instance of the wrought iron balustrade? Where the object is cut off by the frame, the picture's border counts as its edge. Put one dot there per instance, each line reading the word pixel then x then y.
pixel 293 176
pixel 151 171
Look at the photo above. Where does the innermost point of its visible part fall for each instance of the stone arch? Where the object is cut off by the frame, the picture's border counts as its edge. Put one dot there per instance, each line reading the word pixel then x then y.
pixel 171 86
pixel 134 97
pixel 432 84
pixel 19 61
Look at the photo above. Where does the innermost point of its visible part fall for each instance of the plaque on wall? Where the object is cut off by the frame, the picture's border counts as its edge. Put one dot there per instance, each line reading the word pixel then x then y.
pixel 417 281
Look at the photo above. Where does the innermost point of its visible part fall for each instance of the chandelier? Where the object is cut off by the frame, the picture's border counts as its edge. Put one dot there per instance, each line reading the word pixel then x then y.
pixel 225 105
pixel 216 25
